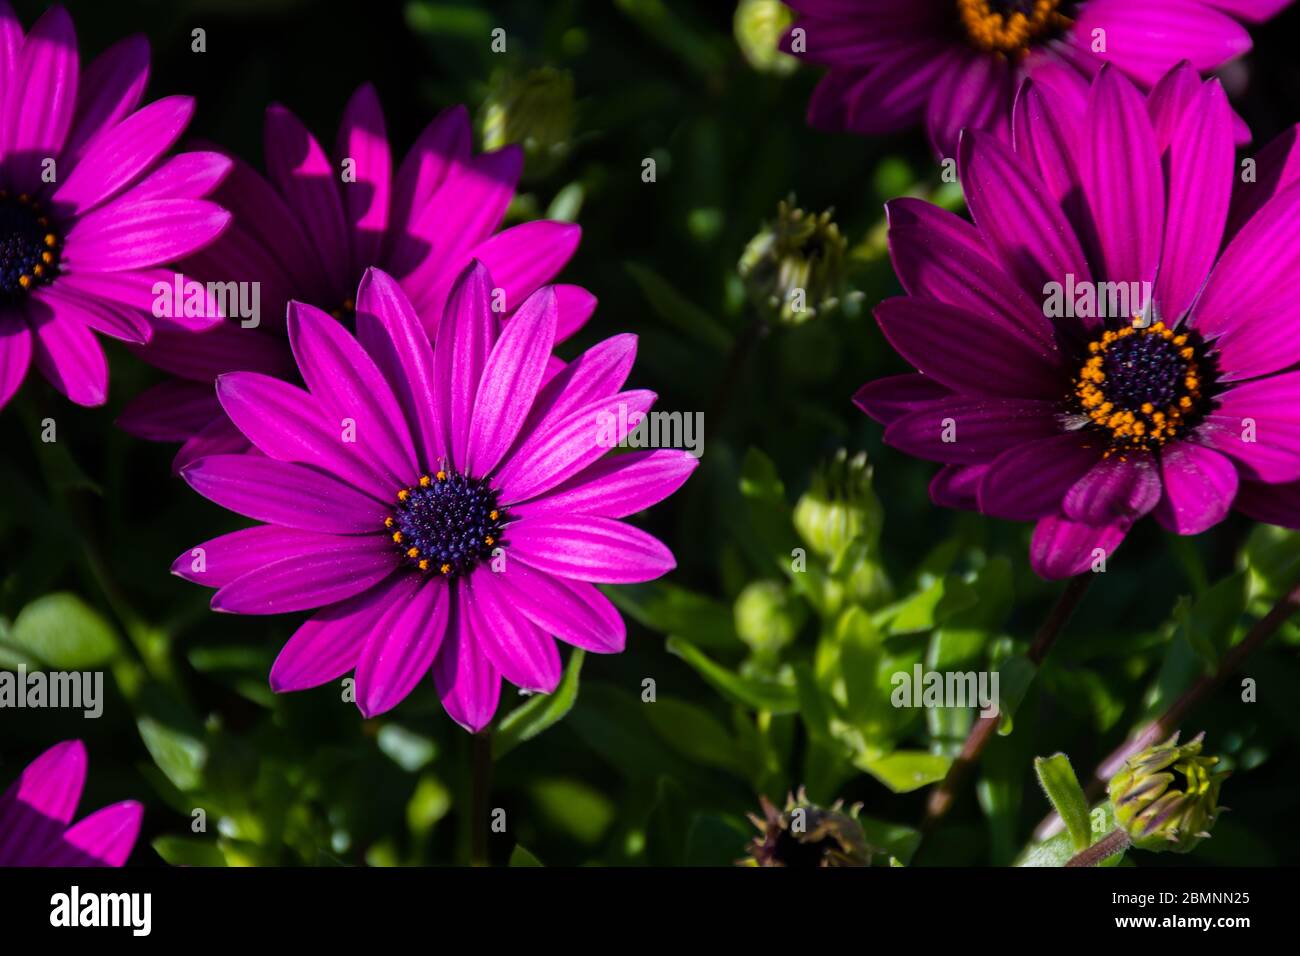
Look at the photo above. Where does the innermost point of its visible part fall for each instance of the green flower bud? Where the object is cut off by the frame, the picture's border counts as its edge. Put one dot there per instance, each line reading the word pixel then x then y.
pixel 806 835
pixel 759 26
pixel 1153 809
pixel 839 507
pixel 794 268
pixel 536 111
pixel 768 616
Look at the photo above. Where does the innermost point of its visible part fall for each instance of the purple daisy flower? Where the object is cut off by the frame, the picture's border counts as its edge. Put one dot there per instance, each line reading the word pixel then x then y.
pixel 460 525
pixel 307 235
pixel 1181 407
pixel 954 64
pixel 35 813
pixel 88 207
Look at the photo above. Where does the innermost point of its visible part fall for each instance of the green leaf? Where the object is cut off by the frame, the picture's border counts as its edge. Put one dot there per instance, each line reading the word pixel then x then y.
pixel 1057 849
pixel 1062 788
pixel 860 653
pixel 898 841
pixel 905 770
pixel 693 731
pixel 521 857
pixel 931 607
pixel 814 704
pixel 540 712
pixel 670 609
pixel 752 692
pixel 673 308
pixel 64 632
pixel 188 851
pixel 715 840
pixel 1015 674
pixel 1210 621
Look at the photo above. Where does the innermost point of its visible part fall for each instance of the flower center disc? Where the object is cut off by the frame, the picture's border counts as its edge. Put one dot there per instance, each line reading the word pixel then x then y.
pixel 1010 27
pixel 1143 386
pixel 29 249
pixel 446 523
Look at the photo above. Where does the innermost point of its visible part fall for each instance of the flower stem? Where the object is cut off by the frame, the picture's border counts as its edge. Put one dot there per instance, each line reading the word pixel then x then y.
pixel 1112 843
pixel 480 789
pixel 943 797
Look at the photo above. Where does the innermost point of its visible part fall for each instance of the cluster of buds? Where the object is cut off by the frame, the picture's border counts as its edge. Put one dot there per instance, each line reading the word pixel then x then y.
pixel 794 268
pixel 840 506
pixel 535 110
pixel 1149 805
pixel 806 835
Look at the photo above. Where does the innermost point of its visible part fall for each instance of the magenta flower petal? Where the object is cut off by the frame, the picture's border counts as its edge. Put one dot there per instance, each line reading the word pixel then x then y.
pixel 522 653
pixel 184 176
pixel 111 88
pixel 1151 38
pixel 1199 486
pixel 511 377
pixel 556 453
pixel 105 838
pixel 1277 165
pixel 468 685
pixel 957 486
pixel 116 158
pixel 1029 482
pixel 442 145
pixel 1025 227
pixel 1115 489
pixel 398 654
pixel 1258 425
pixel 470 334
pixel 363 139
pixel 390 332
pixel 39 106
pixel 223 348
pixel 230 556
pixel 305 177
pixel 219 437
pixel 15 355
pixel 574 611
pixel 588 548
pixel 597 373
pixel 169 411
pixel 348 387
pixel 36 810
pixel 528 256
pixel 126 234
pixel 329 644
pixel 285 424
pixel 282 493
pixel 888 399
pixel 70 357
pixel 1062 548
pixel 66 304
pixel 968 353
pixel 574 306
pixel 1201 165
pixel 616 486
pixel 305 581
pixel 1124 187
pixel 965 430
pixel 1045 133
pixel 1170 99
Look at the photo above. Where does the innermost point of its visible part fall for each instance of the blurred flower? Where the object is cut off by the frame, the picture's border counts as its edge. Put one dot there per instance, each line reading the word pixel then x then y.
pixel 759 25
pixel 958 63
pixel 536 111
pixel 461 520
pixel 806 835
pixel 795 265
pixel 35 813
pixel 1155 813
pixel 1179 405
pixel 839 507
pixel 312 230
pixel 88 206
pixel 768 616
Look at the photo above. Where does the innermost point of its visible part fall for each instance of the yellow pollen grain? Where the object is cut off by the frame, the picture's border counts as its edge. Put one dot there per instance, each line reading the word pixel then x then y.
pixel 403 495
pixel 412 552
pixel 424 564
pixel 441 476
pixel 489 540
pixel 388 522
pixel 397 537
pixel 425 481
pixel 494 515
pixel 445 569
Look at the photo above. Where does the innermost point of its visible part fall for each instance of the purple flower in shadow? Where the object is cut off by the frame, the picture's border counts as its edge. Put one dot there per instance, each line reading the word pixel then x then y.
pixel 1182 407
pixel 308 231
pixel 954 64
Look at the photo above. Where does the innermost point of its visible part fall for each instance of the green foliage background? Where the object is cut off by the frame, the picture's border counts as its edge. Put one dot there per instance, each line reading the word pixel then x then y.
pixel 90 524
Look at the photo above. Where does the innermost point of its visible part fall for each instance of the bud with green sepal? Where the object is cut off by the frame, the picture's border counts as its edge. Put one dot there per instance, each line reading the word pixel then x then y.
pixel 535 110
pixel 793 269
pixel 840 507
pixel 768 617
pixel 1166 797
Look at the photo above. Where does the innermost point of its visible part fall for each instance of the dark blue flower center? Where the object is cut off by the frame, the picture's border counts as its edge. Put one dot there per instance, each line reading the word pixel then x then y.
pixel 1144 386
pixel 29 249
pixel 447 523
